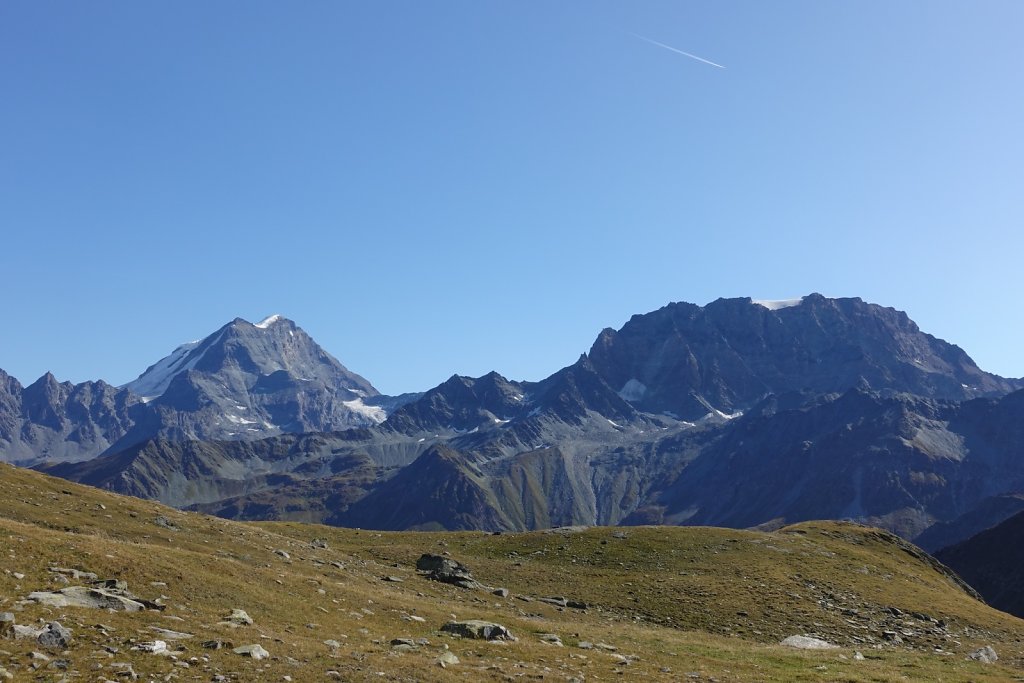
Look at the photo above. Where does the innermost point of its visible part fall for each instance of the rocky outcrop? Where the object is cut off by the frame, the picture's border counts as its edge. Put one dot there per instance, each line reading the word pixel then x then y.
pixel 446 570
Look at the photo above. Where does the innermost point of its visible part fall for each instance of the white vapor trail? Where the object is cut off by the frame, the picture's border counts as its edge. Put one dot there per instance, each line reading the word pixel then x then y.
pixel 669 47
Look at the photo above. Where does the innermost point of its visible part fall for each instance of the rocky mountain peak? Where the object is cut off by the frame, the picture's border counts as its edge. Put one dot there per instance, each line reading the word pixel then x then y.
pixel 687 360
pixel 249 380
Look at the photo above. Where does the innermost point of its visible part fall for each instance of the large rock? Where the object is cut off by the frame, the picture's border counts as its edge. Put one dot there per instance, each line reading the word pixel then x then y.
pixel 479 630
pixel 55 637
pixel 83 596
pixel 446 570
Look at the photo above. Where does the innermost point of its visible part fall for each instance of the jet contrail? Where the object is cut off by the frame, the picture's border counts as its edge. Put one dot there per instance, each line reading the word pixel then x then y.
pixel 669 47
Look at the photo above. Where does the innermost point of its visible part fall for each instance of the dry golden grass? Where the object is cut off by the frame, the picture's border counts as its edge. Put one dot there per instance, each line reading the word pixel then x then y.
pixel 687 603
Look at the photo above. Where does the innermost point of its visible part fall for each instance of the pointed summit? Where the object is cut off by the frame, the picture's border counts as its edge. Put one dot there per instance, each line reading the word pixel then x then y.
pixel 270 320
pixel 250 380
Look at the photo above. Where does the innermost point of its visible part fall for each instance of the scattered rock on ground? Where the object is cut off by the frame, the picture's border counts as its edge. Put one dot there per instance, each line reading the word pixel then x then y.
pixel 7 625
pixel 985 655
pixel 238 617
pixel 55 637
pixel 808 643
pixel 155 646
pixel 446 570
pixel 254 650
pixel 84 596
pixel 446 659
pixel 480 630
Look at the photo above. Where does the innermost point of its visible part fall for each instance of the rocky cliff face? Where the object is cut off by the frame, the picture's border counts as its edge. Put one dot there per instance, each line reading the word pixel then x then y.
pixel 59 420
pixel 687 360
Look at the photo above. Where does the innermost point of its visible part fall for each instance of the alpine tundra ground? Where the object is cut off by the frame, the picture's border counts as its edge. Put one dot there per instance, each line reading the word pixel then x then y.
pixel 589 604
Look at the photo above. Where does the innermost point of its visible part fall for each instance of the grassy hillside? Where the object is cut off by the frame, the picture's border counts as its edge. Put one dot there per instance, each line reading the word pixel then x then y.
pixel 675 603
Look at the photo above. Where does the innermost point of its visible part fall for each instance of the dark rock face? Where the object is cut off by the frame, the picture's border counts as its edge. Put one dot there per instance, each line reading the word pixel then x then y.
pixel 59 420
pixel 898 462
pixel 687 359
pixel 993 563
pixel 441 489
pixel 190 473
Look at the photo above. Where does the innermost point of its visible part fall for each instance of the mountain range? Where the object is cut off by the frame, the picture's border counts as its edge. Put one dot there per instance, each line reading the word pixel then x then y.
pixel 739 413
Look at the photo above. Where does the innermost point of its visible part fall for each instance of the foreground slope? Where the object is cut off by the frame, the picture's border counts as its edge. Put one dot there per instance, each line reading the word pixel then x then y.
pixel 673 603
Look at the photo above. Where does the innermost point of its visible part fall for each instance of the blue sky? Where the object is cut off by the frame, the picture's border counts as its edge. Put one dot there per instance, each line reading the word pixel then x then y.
pixel 456 187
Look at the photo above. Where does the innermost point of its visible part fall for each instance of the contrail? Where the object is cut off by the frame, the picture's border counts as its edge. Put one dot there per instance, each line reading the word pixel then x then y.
pixel 669 47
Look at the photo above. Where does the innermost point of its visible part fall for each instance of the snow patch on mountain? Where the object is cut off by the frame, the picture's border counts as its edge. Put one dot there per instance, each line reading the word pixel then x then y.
pixel 268 321
pixel 374 413
pixel 633 390
pixel 776 304
pixel 155 380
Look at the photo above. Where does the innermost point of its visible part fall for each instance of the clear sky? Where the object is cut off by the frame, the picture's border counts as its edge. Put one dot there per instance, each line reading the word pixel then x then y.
pixel 432 188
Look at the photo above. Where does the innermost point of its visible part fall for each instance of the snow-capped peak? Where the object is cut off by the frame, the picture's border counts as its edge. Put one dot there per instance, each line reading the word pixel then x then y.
pixel 268 321
pixel 774 305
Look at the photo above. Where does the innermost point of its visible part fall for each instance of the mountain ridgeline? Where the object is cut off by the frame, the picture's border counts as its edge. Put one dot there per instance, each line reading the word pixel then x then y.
pixel 739 413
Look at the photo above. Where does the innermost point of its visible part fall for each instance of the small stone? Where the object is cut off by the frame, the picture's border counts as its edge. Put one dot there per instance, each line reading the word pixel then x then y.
pixel 254 650
pixel 500 592
pixel 18 575
pixel 6 625
pixel 446 659
pixel 169 634
pixel 238 617
pixel 551 639
pixel 858 656
pixel 283 554
pixel 154 646
pixel 808 643
pixel 392 579
pixel 55 637
pixel 165 523
pixel 481 630
pixel 985 655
